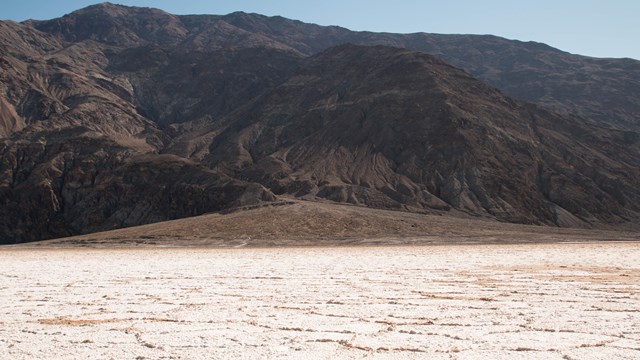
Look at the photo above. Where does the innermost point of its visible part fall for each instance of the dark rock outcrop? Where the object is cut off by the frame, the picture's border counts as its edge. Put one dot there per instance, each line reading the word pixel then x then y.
pixel 76 181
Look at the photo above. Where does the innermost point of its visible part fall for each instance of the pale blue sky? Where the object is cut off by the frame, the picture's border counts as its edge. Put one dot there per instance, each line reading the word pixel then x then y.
pixel 602 28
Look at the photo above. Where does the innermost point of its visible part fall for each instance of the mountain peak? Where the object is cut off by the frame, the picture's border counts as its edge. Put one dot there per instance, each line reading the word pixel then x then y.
pixel 105 5
pixel 109 7
pixel 104 8
pixel 117 25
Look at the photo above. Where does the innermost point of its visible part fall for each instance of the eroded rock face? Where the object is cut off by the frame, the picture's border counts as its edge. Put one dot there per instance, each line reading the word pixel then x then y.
pixel 86 183
pixel 594 88
pixel 597 89
pixel 115 116
pixel 386 127
pixel 81 144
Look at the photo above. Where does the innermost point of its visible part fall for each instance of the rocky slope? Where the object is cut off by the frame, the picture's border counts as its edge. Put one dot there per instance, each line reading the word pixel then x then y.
pixel 594 88
pixel 115 116
pixel 79 154
pixel 386 127
pixel 75 181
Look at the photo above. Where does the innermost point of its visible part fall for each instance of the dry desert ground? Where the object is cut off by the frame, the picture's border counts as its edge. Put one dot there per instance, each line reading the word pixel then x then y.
pixel 528 301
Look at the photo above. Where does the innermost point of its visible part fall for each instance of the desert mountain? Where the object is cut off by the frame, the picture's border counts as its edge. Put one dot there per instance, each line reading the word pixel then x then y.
pixel 599 89
pixel 115 116
pixel 386 127
pixel 594 88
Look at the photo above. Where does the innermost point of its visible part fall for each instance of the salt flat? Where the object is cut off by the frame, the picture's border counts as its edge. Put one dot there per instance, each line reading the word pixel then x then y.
pixel 544 301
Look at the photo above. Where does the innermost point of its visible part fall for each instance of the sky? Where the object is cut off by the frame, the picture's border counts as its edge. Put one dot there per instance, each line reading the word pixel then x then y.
pixel 600 28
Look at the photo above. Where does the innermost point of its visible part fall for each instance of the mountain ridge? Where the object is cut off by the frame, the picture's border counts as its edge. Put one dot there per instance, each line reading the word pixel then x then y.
pixel 199 113
pixel 587 86
pixel 453 112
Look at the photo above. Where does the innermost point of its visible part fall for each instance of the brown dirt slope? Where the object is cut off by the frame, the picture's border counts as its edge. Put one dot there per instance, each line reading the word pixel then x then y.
pixel 304 223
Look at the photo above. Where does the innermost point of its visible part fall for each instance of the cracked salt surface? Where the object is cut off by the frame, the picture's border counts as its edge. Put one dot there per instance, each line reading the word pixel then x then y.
pixel 553 301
